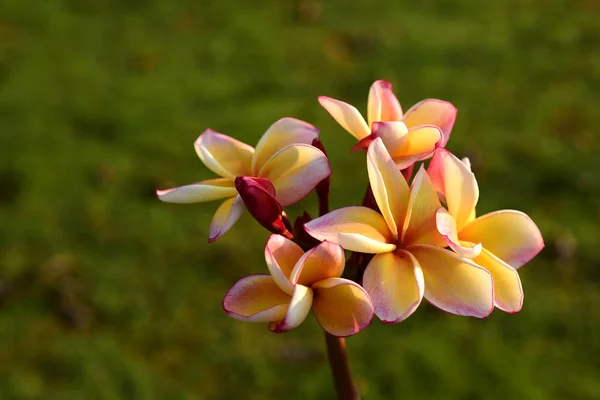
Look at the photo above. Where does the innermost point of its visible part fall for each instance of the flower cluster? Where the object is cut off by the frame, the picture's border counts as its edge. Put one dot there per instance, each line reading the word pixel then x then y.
pixel 413 237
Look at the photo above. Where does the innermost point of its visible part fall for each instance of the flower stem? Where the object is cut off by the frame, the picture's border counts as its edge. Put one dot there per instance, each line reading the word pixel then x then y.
pixel 340 369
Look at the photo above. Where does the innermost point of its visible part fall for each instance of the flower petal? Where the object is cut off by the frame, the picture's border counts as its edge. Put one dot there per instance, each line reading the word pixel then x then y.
pixel 432 112
pixel 508 292
pixel 395 284
pixel 446 225
pixel 281 255
pixel 383 104
pixel 224 155
pixel 467 162
pixel 420 224
pixel 347 116
pixel 212 189
pixel 393 134
pixel 454 284
pixel 297 311
pixel 404 162
pixel 421 141
pixel 322 262
pixel 511 235
pixel 455 183
pixel 281 134
pixel 389 187
pixel 256 298
pixel 226 216
pixel 354 228
pixel 341 306
pixel 295 171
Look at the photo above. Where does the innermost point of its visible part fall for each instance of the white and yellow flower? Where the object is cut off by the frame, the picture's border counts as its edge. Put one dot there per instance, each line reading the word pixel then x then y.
pixel 500 241
pixel 284 156
pixel 410 259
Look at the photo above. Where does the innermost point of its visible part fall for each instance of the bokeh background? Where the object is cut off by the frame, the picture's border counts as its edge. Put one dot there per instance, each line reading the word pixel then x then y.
pixel 107 293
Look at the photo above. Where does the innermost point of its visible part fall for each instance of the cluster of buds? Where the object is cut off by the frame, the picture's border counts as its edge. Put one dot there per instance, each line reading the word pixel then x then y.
pixel 413 237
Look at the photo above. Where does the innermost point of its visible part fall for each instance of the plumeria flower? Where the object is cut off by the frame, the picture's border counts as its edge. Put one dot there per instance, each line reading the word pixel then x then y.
pixel 298 283
pixel 283 157
pixel 408 137
pixel 410 261
pixel 500 241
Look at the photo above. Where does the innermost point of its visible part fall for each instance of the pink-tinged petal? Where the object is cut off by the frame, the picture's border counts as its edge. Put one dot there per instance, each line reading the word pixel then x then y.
pixel 432 112
pixel 383 104
pixel 420 224
pixel 347 116
pixel 212 189
pixel 511 235
pixel 228 213
pixel 281 134
pixel 389 187
pixel 467 162
pixel 298 310
pixel 508 292
pixel 295 171
pixel 224 155
pixel 322 262
pixel 341 306
pixel 454 284
pixel 393 133
pixel 456 184
pixel 282 255
pixel 404 162
pixel 354 228
pixel 256 298
pixel 421 141
pixel 394 281
pixel 446 225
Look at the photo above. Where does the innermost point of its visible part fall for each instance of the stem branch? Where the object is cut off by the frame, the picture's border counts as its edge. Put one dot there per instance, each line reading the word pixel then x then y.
pixel 340 369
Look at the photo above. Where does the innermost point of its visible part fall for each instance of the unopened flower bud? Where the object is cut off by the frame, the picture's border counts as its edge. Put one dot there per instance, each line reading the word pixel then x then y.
pixel 259 197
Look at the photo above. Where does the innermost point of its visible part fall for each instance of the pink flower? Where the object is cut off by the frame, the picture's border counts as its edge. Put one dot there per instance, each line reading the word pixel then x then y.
pixel 408 137
pixel 298 283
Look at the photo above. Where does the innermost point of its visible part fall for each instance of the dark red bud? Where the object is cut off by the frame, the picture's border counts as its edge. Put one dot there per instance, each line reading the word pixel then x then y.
pixel 259 197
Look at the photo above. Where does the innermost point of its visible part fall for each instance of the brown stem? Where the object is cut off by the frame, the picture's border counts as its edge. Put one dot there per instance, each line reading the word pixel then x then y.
pixel 340 369
pixel 323 204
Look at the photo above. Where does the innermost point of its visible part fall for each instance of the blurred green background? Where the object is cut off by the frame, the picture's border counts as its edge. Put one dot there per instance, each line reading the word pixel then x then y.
pixel 107 293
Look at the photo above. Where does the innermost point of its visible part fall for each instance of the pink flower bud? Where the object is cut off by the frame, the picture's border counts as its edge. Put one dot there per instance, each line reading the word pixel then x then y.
pixel 259 197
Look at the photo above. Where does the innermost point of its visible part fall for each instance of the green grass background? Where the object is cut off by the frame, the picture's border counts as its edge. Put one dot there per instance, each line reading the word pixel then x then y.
pixel 107 293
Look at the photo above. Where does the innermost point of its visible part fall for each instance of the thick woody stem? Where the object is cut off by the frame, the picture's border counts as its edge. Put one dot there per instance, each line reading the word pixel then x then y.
pixel 340 368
